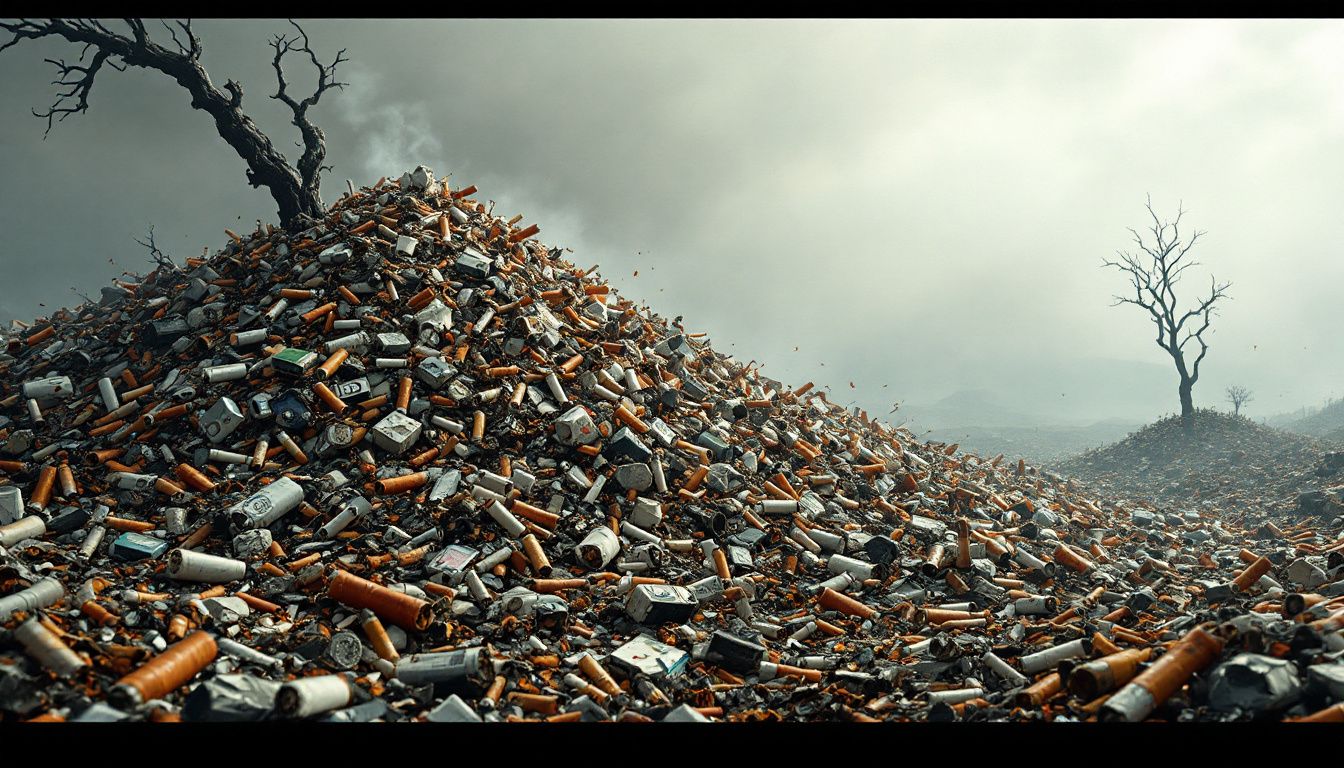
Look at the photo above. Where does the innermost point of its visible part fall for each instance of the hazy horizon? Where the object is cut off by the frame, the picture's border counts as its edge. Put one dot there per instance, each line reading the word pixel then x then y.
pixel 917 204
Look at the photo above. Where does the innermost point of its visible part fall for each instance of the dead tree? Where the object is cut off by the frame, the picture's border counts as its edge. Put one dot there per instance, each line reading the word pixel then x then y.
pixel 1238 396
pixel 1153 274
pixel 296 189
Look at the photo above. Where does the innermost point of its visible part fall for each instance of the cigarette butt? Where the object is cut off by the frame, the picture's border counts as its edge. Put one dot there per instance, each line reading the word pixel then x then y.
pixel 378 637
pixel 1251 574
pixel 333 363
pixel 535 702
pixel 835 601
pixel 46 480
pixel 523 234
pixel 258 603
pixel 336 404
pixel 721 564
pixel 166 672
pixel 122 524
pixel 404 393
pixel 541 565
pixel 1331 714
pixel 194 478
pixel 389 485
pixel 408 612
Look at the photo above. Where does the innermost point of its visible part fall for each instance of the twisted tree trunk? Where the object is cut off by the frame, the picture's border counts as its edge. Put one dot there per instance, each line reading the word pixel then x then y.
pixel 296 190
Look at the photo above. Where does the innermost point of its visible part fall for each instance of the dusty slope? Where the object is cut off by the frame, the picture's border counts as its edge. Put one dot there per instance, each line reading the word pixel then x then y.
pixel 1225 459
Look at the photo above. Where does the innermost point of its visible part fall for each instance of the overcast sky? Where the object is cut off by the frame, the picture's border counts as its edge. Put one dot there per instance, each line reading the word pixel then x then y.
pixel 917 204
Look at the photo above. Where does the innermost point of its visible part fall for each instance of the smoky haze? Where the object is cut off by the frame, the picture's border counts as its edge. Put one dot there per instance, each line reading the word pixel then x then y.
pixel 919 207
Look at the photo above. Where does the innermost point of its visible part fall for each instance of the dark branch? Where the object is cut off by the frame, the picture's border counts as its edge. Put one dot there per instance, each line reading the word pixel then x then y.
pixel 1153 274
pixel 79 87
pixel 296 190
pixel 163 260
pixel 314 141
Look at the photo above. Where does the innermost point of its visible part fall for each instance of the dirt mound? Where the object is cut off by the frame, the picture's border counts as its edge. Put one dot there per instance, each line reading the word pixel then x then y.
pixel 1222 459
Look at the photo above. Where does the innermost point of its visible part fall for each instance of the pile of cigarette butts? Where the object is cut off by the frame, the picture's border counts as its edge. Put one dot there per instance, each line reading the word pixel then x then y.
pixel 408 464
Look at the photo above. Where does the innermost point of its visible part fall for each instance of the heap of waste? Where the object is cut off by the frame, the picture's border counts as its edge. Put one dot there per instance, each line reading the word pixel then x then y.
pixel 409 464
pixel 1222 459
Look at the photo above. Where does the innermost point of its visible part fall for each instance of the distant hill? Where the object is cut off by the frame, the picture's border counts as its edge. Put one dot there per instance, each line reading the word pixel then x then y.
pixel 1227 458
pixel 980 407
pixel 987 423
pixel 1035 444
pixel 1323 422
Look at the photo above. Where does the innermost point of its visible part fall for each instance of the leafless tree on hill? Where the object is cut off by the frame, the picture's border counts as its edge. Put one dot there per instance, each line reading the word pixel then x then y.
pixel 1238 396
pixel 1153 273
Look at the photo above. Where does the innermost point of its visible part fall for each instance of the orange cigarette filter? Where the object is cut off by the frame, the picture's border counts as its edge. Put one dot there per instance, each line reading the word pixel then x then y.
pixel 556 585
pixel 810 675
pixel 541 565
pixel 535 514
pixel 42 335
pixel 721 564
pixel 1091 679
pixel 1066 556
pixel 257 603
pixel 407 612
pixel 171 412
pixel 629 419
pixel 402 484
pixel 535 702
pixel 333 362
pixel 963 543
pixel 122 524
pixel 99 614
pixel 424 457
pixel 697 477
pixel 194 478
pixel 421 299
pixel 1251 574
pixel 1194 652
pixel 594 671
pixel 42 489
pixel 169 670
pixel 336 404
pixel 378 637
pixel 167 487
pixel 1040 691
pixel 835 601
pixel 404 393
pixel 1331 714
pixel 348 295
pixel 524 234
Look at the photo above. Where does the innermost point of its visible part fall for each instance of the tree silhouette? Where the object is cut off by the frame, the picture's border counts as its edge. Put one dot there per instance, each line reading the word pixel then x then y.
pixel 297 190
pixel 1153 274
pixel 1238 396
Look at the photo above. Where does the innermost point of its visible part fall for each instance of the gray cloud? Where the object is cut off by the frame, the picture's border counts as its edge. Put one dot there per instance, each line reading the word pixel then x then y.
pixel 919 204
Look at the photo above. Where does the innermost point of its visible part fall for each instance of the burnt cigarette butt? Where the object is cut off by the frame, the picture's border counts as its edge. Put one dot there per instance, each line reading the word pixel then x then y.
pixel 408 612
pixel 166 672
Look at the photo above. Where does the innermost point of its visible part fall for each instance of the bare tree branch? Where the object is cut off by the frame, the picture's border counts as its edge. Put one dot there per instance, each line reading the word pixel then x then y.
pixel 295 190
pixel 163 260
pixel 1238 396
pixel 314 141
pixel 1153 277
